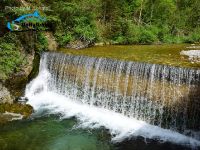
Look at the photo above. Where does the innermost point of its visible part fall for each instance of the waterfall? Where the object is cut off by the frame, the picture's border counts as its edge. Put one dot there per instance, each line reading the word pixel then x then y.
pixel 164 96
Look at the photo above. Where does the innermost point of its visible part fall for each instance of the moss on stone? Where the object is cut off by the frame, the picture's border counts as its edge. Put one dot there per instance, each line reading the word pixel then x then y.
pixel 25 110
pixel 35 70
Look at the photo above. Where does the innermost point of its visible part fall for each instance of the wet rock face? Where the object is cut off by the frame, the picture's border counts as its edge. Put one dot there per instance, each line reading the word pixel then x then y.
pixel 5 95
pixel 17 82
pixel 15 85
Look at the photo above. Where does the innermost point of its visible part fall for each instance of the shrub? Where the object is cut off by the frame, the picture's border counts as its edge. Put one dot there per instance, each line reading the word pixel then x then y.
pixel 147 36
pixel 133 32
pixel 42 43
pixel 194 36
pixel 63 38
pixel 10 61
pixel 125 32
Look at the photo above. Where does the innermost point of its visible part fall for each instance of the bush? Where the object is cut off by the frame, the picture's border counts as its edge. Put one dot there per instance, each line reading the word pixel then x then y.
pixel 147 36
pixel 120 40
pixel 86 32
pixel 171 39
pixel 63 38
pixel 42 43
pixel 125 32
pixel 194 36
pixel 133 33
pixel 10 61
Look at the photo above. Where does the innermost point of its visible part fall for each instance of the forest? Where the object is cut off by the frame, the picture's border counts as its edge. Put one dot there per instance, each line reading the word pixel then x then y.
pixel 120 21
pixel 126 21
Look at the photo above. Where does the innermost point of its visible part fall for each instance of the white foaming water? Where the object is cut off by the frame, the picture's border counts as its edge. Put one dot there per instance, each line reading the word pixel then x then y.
pixel 58 92
pixel 120 126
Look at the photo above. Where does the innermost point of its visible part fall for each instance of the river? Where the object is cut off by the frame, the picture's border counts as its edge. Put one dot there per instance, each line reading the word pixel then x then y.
pixel 90 103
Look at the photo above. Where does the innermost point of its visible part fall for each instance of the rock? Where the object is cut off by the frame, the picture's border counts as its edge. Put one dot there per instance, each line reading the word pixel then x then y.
pixel 194 55
pixel 52 44
pixel 17 82
pixel 5 95
pixel 22 100
pixel 25 110
pixel 78 44
pixel 6 117
pixel 99 44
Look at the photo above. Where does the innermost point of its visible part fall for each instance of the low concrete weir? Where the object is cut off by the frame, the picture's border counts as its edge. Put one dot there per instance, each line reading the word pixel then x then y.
pixel 164 96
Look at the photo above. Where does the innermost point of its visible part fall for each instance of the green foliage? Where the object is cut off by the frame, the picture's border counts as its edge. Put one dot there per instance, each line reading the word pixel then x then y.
pixel 125 32
pixel 148 35
pixel 10 61
pixel 133 33
pixel 71 21
pixel 42 43
pixel 9 37
pixel 125 22
pixel 84 28
pixel 173 39
pixel 63 39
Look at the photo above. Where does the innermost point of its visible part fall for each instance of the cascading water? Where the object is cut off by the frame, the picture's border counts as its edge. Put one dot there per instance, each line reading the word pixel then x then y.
pixel 160 95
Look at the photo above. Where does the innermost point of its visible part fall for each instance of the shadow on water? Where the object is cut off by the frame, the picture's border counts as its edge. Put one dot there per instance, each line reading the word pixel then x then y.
pixel 140 143
pixel 193 121
pixel 189 109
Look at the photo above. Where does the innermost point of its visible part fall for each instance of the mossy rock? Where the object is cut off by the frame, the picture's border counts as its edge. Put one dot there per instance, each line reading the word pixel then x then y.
pixel 3 119
pixel 25 110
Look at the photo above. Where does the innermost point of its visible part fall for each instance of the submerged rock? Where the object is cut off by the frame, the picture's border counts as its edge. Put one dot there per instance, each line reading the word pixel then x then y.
pixel 194 55
pixel 5 117
pixel 7 109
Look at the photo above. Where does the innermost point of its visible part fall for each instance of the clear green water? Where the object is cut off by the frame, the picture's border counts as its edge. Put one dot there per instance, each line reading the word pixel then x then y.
pixel 50 133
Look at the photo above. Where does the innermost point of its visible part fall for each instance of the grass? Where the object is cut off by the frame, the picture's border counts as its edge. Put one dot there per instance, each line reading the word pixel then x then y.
pixel 156 54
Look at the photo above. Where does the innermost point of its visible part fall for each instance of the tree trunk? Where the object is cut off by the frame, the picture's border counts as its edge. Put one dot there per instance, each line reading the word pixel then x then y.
pixel 140 16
